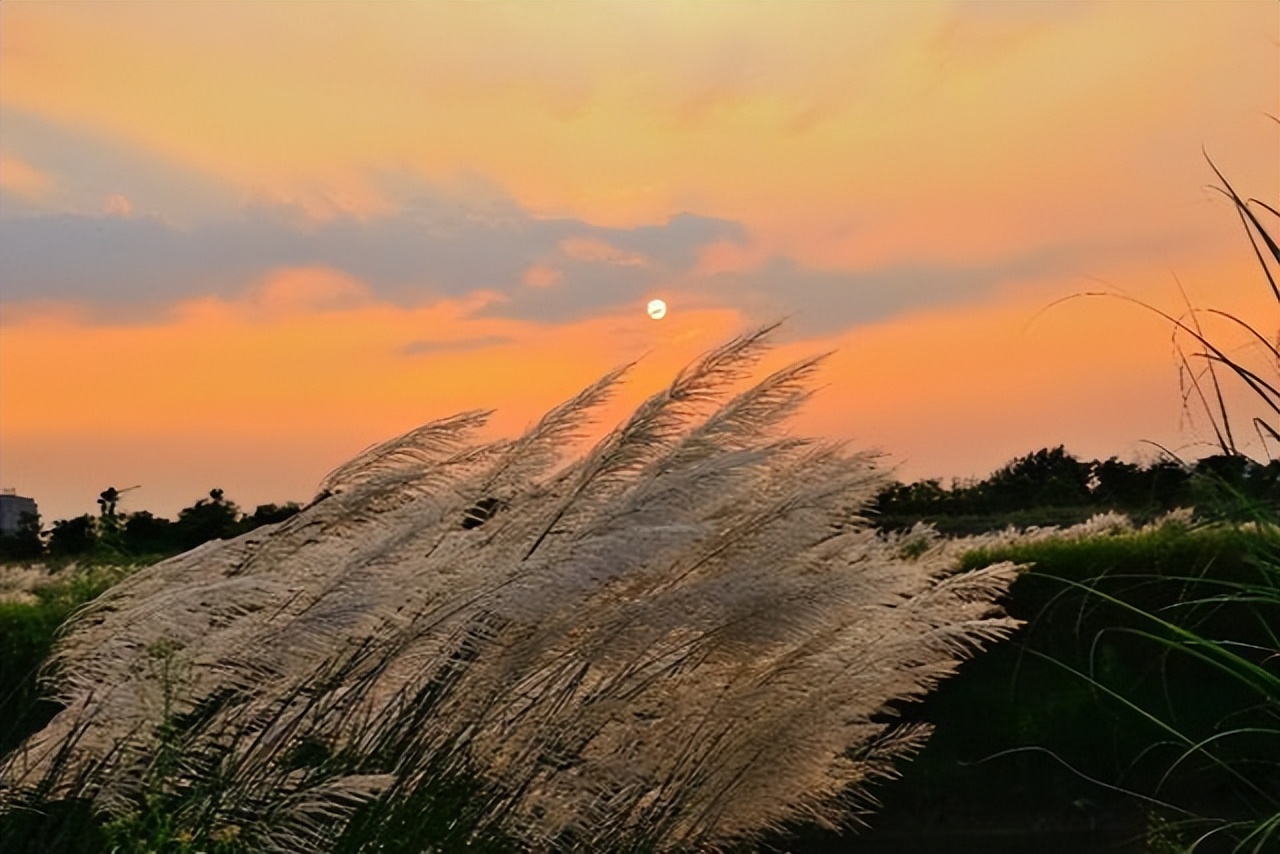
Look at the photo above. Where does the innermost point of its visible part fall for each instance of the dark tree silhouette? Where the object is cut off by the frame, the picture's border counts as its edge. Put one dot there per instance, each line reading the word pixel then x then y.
pixel 268 514
pixel 25 543
pixel 212 518
pixel 1051 487
pixel 73 537
pixel 1048 478
pixel 145 534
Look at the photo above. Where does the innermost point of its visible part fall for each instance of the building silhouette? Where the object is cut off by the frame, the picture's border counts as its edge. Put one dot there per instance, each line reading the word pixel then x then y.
pixel 12 508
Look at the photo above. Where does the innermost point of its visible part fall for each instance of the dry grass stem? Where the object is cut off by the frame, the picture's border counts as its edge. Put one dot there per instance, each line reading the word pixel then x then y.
pixel 685 638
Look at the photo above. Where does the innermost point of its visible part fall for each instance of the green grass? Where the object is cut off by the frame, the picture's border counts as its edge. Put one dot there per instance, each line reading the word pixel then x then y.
pixel 1221 627
pixel 27 633
pixel 1171 637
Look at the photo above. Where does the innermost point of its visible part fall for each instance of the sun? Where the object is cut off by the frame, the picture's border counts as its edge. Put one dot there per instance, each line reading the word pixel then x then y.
pixel 657 309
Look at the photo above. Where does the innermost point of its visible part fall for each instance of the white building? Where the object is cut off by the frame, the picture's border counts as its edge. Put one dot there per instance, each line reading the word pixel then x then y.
pixel 12 509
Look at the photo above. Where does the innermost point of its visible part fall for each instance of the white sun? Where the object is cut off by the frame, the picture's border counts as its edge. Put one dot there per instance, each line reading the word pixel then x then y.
pixel 657 309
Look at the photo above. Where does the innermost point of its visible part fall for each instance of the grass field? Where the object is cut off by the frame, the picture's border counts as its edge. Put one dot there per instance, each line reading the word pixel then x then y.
pixel 1103 712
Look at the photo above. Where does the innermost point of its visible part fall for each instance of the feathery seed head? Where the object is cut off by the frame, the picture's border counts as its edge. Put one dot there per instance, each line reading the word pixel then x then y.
pixel 683 638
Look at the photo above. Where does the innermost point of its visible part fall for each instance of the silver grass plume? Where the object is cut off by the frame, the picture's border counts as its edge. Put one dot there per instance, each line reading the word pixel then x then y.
pixel 684 639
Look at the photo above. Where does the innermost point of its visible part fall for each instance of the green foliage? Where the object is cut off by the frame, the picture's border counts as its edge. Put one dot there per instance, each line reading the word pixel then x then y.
pixel 27 632
pixel 1094 707
pixel 49 826
pixel 145 534
pixel 26 639
pixel 1234 487
pixel 270 514
pixel 1047 478
pixel 73 537
pixel 140 536
pixel 1052 488
pixel 207 519
pixel 1175 632
pixel 25 543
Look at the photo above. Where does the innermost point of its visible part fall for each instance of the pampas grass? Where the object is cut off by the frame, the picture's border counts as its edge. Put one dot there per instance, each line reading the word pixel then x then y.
pixel 684 639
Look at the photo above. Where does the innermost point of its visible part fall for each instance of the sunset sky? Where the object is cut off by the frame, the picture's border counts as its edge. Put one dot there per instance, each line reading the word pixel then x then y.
pixel 239 242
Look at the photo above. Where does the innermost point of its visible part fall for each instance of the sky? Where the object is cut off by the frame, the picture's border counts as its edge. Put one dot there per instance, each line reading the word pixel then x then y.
pixel 240 242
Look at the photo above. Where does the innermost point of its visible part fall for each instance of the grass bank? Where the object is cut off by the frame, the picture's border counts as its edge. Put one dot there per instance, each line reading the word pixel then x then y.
pixel 1140 700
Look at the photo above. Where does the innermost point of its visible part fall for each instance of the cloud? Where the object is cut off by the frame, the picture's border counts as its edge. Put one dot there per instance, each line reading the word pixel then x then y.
pixel 432 246
pixel 436 241
pixel 22 179
pixel 822 302
pixel 84 170
pixel 439 246
pixel 459 345
pixel 542 276
pixel 583 289
pixel 975 33
pixel 585 249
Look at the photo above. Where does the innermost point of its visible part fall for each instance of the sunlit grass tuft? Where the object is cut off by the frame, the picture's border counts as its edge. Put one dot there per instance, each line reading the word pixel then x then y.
pixel 682 640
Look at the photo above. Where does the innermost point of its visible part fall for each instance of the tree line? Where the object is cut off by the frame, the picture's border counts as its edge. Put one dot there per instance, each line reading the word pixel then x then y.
pixel 139 535
pixel 1047 487
pixel 1053 487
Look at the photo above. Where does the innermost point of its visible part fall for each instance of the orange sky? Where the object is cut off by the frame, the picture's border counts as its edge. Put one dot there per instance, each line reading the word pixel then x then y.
pixel 242 241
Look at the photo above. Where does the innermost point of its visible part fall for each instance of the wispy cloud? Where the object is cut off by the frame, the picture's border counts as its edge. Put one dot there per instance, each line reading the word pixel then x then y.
pixel 827 301
pixel 19 178
pixel 84 169
pixel 430 249
pixel 457 345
